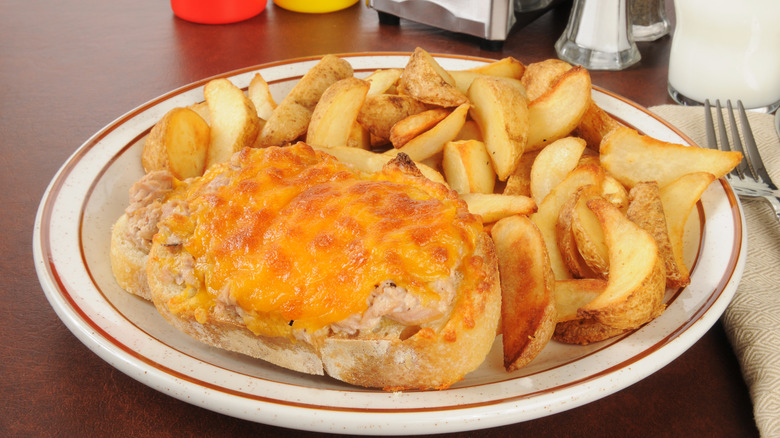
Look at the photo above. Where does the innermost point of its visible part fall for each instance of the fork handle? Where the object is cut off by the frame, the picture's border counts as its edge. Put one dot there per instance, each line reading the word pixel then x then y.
pixel 775 203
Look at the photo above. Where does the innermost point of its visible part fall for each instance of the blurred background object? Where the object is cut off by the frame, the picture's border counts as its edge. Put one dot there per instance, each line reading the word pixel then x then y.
pixel 648 19
pixel 722 49
pixel 598 36
pixel 314 6
pixel 217 11
pixel 489 20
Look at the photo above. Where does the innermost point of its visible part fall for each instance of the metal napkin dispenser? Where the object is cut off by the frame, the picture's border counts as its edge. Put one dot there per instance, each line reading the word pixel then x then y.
pixel 490 20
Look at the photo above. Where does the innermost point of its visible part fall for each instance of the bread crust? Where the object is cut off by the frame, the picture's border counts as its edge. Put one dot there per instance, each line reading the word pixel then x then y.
pixel 128 261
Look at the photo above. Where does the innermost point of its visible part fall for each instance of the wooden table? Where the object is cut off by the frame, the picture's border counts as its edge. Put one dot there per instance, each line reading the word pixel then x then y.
pixel 70 67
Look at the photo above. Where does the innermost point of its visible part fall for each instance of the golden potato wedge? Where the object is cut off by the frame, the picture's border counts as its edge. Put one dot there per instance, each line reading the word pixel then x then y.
pixel 381 111
pixel 519 182
pixel 370 162
pixel 178 143
pixel 425 80
pixel 589 236
pixel 493 206
pixel 336 112
pixel 202 108
pixel 260 95
pixel 553 163
pixel 678 199
pixel 631 157
pixel 636 284
pixel 290 119
pixel 431 142
pixel 234 121
pixel 412 126
pixel 508 67
pixel 359 137
pixel 594 125
pixel 570 295
pixel 469 131
pixel 528 310
pixel 646 210
pixel 463 79
pixel 540 76
pixel 500 109
pixel 382 81
pixel 584 331
pixel 567 243
pixel 308 91
pixel 546 216
pixel 558 111
pixel 467 167
pixel 615 192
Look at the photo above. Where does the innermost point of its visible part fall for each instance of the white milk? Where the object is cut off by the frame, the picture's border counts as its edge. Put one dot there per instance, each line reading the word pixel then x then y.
pixel 727 49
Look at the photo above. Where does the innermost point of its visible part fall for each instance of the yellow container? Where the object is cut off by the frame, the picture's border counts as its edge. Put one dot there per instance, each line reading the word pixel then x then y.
pixel 315 6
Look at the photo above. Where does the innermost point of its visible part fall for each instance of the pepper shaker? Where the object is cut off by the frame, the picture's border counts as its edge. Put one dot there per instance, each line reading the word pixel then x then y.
pixel 648 19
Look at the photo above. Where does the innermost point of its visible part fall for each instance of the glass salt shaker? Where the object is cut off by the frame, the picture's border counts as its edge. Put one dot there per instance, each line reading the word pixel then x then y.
pixel 648 19
pixel 598 36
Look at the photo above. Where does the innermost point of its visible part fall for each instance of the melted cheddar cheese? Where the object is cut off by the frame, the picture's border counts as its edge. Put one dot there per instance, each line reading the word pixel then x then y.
pixel 296 238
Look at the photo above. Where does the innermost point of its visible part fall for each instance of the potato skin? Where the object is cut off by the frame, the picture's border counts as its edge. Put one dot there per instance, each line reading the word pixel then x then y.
pixel 178 143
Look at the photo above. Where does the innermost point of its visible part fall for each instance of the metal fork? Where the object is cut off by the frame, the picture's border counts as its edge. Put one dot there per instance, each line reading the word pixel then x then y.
pixel 750 178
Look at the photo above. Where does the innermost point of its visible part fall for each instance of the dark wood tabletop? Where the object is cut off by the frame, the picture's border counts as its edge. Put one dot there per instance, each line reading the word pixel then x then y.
pixel 70 67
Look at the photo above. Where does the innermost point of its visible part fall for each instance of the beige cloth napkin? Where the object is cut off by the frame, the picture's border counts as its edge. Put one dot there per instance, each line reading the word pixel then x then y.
pixel 752 320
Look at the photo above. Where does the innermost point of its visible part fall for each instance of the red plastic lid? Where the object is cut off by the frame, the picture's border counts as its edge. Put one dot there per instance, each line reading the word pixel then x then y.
pixel 217 11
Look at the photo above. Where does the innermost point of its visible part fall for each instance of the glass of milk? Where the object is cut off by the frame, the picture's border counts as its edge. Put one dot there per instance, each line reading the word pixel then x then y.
pixel 726 49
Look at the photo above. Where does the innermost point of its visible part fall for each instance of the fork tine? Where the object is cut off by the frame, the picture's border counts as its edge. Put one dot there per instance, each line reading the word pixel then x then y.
pixel 743 166
pixel 753 157
pixel 724 139
pixel 709 126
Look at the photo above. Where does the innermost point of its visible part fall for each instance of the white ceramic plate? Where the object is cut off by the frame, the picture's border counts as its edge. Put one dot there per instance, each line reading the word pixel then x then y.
pixel 71 245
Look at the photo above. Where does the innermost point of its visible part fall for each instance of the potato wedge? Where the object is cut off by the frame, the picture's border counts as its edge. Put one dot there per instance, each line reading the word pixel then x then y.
pixel 493 207
pixel 594 125
pixel 589 236
pixel 381 111
pixel 382 81
pixel 431 142
pixel 371 162
pixel 425 80
pixel 500 109
pixel 359 137
pixel 467 167
pixel 508 67
pixel 540 76
pixel 260 95
pixel 636 284
pixel 290 119
pixel 631 158
pixel 469 131
pixel 570 295
pixel 234 121
pixel 415 124
pixel 557 112
pixel 178 143
pixel 564 230
pixel 519 182
pixel 202 108
pixel 615 192
pixel 463 79
pixel 336 112
pixel 678 199
pixel 646 210
pixel 546 216
pixel 584 331
pixel 553 163
pixel 528 310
